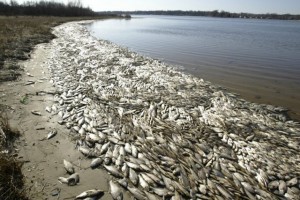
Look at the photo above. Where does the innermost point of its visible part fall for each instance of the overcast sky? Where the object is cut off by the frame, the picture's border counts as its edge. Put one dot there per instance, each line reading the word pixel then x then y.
pixel 253 6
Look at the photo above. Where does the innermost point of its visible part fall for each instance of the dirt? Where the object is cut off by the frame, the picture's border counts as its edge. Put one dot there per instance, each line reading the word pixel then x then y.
pixel 42 158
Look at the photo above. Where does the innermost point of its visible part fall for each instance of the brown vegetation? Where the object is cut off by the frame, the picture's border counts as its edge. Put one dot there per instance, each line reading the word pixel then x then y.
pixel 11 178
pixel 18 36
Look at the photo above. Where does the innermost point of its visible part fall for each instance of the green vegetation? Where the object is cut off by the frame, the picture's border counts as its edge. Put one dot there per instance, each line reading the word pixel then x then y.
pixel 214 13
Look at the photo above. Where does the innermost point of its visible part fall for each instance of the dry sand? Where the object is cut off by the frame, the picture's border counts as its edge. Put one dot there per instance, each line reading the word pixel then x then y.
pixel 43 160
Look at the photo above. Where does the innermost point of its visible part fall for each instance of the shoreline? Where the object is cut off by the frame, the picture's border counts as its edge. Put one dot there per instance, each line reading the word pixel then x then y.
pixel 152 118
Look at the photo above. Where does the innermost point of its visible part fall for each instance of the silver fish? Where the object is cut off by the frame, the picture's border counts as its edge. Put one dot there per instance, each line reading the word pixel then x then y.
pixel 151 196
pixel 143 183
pixel 69 167
pixel 137 193
pixel 90 193
pixel 133 176
pixel 115 190
pixel 114 171
pixel 73 179
pixel 51 134
pixel 123 182
pixel 96 162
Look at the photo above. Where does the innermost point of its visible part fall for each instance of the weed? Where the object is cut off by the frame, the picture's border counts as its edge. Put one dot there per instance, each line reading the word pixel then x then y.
pixel 11 178
pixel 24 99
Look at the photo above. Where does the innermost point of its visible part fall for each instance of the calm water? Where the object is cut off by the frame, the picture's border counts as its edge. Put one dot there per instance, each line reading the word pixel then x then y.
pixel 258 59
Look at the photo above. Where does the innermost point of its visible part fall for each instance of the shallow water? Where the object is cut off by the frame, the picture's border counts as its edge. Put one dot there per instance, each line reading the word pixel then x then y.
pixel 258 59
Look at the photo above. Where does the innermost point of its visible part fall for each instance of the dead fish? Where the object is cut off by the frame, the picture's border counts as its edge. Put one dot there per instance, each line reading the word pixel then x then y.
pixel 36 112
pixel 115 190
pixel 71 180
pixel 168 183
pixel 51 134
pixel 134 151
pixel 48 109
pixel 292 182
pixel 114 171
pixel 133 165
pixel 86 151
pixel 137 193
pixel 282 187
pixel 90 193
pixel 148 180
pixel 143 183
pixel 29 83
pixel 119 162
pixel 156 179
pixel 127 148
pixel 125 170
pixel 151 196
pixel 104 148
pixel 63 180
pixel 224 192
pixel 163 192
pixel 203 189
pixel 248 187
pixel 96 162
pixel 177 196
pixel 69 167
pixel 133 176
pixel 123 182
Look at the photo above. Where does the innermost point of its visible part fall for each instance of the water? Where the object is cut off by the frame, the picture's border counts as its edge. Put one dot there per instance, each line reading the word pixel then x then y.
pixel 258 59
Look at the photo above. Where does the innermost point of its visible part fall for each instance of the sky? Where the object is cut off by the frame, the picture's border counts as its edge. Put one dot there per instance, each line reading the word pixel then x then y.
pixel 252 6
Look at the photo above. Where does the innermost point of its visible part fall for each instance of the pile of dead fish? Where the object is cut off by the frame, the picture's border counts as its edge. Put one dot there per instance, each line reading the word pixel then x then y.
pixel 163 134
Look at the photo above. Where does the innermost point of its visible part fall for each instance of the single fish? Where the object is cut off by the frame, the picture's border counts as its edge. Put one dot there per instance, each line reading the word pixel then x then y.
pixel 36 112
pixel 115 190
pixel 133 176
pixel 73 179
pixel 48 109
pixel 96 163
pixel 90 193
pixel 51 134
pixel 137 193
pixel 114 171
pixel 69 167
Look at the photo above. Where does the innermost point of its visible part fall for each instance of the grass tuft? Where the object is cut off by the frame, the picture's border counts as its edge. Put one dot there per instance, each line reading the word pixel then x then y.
pixel 11 178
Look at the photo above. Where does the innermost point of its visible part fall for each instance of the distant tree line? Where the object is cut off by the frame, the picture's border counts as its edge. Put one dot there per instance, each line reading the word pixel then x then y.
pixel 45 8
pixel 214 13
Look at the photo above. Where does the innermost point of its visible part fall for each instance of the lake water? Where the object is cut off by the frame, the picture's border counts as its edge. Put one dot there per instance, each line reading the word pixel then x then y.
pixel 258 59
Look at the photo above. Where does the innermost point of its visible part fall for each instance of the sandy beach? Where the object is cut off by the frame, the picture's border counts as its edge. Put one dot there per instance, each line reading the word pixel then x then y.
pixel 144 119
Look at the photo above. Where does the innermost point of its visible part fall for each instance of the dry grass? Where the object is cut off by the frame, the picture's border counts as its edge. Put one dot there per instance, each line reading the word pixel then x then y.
pixel 11 178
pixel 18 36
